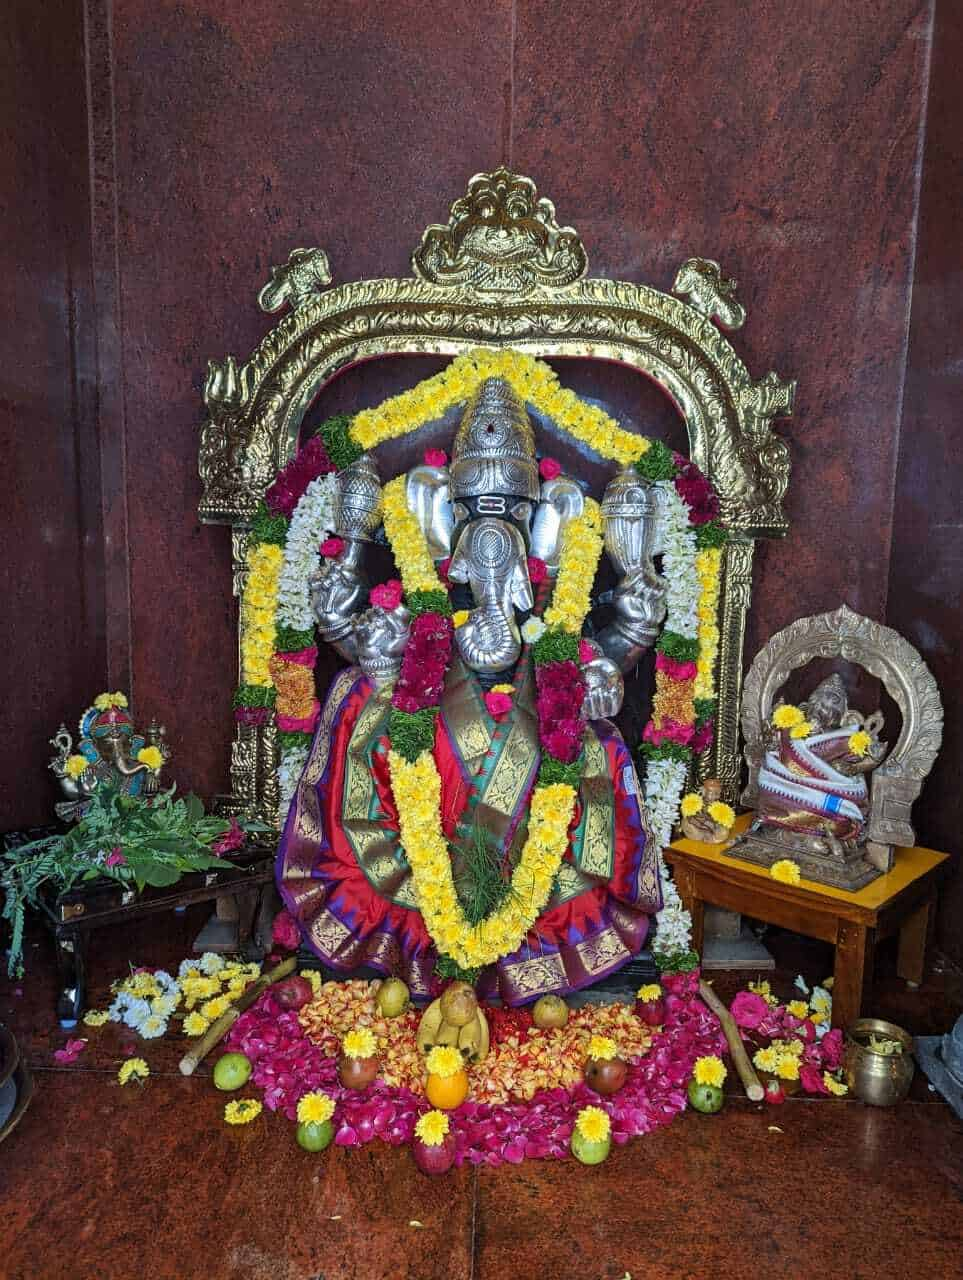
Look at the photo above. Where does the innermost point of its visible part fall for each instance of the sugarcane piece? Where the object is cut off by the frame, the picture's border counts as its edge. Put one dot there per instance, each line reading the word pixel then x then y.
pixel 744 1068
pixel 219 1029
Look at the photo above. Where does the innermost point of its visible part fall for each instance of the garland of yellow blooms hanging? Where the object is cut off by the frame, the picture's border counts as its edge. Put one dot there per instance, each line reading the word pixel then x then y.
pixel 686 653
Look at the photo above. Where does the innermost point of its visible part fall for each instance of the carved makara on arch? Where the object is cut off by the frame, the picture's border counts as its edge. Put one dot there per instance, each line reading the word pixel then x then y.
pixel 885 654
pixel 502 272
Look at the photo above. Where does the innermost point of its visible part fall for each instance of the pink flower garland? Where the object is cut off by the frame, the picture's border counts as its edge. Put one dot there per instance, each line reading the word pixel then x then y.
pixel 425 661
pixel 287 1065
pixel 561 692
pixel 308 463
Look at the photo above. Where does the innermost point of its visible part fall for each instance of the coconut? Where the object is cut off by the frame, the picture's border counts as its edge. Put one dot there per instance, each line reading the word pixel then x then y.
pixel 458 1004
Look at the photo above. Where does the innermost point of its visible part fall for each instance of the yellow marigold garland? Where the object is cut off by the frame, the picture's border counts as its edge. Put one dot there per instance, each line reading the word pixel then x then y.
pixel 708 567
pixel 533 380
pixel 258 607
pixel 417 792
pixel 577 566
pixel 408 543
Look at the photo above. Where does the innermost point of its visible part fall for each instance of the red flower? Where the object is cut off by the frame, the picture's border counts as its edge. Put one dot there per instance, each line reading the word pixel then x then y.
pixel 387 595
pixel 442 570
pixel 436 457
pixel 332 546
pixel 232 838
pixel 775 1094
pixel 537 570
pixel 548 469
pixel 427 653
pixel 285 932
pixel 287 490
pixel 748 1010
pixel 811 1079
pixel 697 494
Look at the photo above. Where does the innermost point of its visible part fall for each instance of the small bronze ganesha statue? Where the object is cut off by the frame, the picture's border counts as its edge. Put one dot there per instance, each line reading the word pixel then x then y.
pixel 108 750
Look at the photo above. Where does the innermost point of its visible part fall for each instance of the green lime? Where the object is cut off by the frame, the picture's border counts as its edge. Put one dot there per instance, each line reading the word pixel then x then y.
pixel 589 1152
pixel 706 1098
pixel 314 1136
pixel 231 1071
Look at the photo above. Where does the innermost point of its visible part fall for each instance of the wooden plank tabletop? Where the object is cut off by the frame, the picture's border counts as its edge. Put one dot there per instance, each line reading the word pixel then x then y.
pixel 909 865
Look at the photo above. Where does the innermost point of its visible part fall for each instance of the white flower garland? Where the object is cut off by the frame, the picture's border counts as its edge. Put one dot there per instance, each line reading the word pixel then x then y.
pixel 313 520
pixel 674 923
pixel 679 565
pixel 290 767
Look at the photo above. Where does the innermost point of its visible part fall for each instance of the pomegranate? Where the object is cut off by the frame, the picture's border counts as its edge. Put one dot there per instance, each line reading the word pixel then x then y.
pixel 605 1075
pixel 651 1012
pixel 434 1159
pixel 293 993
pixel 356 1073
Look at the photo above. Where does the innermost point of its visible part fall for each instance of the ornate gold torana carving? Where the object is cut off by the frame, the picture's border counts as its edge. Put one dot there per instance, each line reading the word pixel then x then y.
pixel 503 273
pixel 885 654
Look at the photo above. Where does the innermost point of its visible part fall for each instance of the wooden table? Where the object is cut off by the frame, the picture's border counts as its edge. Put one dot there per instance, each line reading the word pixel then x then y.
pixel 900 901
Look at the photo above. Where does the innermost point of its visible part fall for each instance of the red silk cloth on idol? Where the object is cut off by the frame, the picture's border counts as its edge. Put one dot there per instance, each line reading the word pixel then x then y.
pixel 349 924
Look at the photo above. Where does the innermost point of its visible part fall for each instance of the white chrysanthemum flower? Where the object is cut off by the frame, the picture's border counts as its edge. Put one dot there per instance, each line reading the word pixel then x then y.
pixel 153 1026
pixel 678 566
pixel 290 768
pixel 116 1011
pixel 165 980
pixel 210 963
pixel 533 629
pixel 135 1013
pixel 191 966
pixel 164 1006
pixel 312 521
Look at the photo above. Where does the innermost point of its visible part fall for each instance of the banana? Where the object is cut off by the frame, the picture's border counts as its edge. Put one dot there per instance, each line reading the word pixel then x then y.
pixel 447 1033
pixel 429 1026
pixel 474 1039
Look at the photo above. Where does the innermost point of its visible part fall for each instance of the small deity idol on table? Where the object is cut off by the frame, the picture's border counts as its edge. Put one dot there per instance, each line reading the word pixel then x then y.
pixel 705 816
pixel 812 782
pixel 467 792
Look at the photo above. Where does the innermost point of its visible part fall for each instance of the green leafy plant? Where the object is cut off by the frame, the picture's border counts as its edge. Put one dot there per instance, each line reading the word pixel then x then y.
pixel 120 837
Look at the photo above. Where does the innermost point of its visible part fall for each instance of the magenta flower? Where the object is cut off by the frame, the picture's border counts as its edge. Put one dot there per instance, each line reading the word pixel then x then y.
pixel 232 838
pixel 69 1054
pixel 435 457
pixel 548 468
pixel 115 858
pixel 387 595
pixel 811 1079
pixel 285 932
pixel 332 546
pixel 286 492
pixel 832 1047
pixel 498 703
pixel 697 493
pixel 537 570
pixel 748 1010
pixel 586 652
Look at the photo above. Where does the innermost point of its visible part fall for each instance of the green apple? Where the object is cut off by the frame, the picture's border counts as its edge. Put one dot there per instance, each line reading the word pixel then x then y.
pixel 392 998
pixel 231 1071
pixel 706 1098
pixel 315 1136
pixel 589 1152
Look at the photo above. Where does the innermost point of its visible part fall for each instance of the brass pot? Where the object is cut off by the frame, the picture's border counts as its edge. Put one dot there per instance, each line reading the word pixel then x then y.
pixel 881 1079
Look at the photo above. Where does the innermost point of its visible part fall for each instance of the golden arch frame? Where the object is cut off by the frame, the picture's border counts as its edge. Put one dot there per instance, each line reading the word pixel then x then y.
pixel 503 273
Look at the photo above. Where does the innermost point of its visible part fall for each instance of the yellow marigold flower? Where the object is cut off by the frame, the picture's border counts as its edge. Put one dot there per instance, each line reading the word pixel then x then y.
pixel 786 716
pixel 243 1111
pixel 144 985
pixel 798 1008
pixel 859 742
pixel 444 1060
pixel 593 1124
pixel 432 1128
pixel 787 1066
pixel 722 813
pixel 503 688
pixel 214 1008
pixel 766 1059
pixel 195 1024
pixel 785 871
pixel 821 1002
pixel 133 1069
pixel 801 730
pixel 360 1043
pixel 76 765
pixel 152 757
pixel 794 1047
pixel 819 1017
pixel 602 1048
pixel 104 701
pixel 709 1070
pixel 761 988
pixel 651 991
pixel 95 1017
pixel 315 1108
pixel 838 1087
pixel 691 804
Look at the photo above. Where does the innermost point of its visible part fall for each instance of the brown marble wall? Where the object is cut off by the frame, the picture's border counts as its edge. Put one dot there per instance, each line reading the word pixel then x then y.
pixel 925 567
pixel 784 140
pixel 51 580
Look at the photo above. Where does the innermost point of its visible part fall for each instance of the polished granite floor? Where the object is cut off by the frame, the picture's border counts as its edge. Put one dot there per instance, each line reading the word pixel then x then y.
pixel 100 1181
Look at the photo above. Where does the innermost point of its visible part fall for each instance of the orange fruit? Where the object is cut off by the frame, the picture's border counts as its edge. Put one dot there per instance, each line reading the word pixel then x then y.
pixel 447 1092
